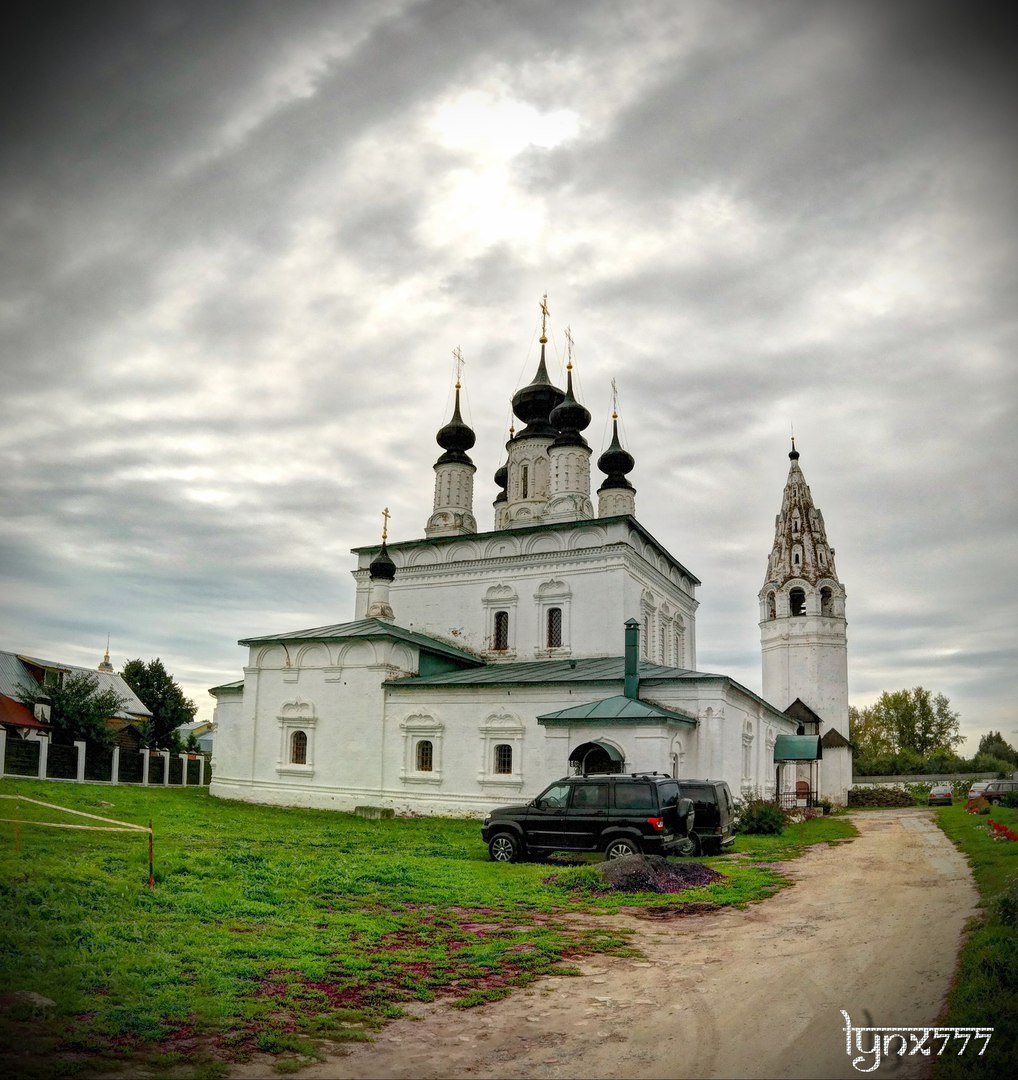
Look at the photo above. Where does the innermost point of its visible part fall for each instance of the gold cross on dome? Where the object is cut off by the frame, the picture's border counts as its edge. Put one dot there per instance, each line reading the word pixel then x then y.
pixel 544 318
pixel 385 524
pixel 458 356
pixel 615 401
pixel 569 348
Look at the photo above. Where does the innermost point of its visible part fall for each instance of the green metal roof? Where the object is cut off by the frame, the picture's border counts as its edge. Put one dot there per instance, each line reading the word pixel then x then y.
pixel 582 670
pixel 236 685
pixel 616 710
pixel 370 629
pixel 797 748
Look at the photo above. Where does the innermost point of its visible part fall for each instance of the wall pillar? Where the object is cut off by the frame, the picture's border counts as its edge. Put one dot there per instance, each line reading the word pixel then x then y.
pixel 115 766
pixel 43 757
pixel 79 764
pixel 183 769
pixel 144 765
pixel 3 749
pixel 166 767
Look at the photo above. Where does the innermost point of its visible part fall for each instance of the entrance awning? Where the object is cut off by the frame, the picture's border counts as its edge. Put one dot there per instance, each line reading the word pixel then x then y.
pixel 616 710
pixel 798 748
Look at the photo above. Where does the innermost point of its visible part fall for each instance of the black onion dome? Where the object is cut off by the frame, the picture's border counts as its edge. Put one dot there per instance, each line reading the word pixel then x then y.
pixel 534 403
pixel 456 438
pixel 382 567
pixel 502 482
pixel 616 462
pixel 570 417
pixel 793 454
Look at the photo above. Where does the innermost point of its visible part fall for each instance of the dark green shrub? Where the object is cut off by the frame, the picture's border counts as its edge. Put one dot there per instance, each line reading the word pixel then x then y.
pixel 759 817
pixel 1010 799
pixel 879 796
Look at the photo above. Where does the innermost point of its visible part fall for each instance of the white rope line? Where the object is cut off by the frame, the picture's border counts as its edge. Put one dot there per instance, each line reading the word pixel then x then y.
pixel 79 813
pixel 89 828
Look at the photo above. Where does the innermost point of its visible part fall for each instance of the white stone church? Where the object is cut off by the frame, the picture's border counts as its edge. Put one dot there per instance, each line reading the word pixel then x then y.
pixel 480 666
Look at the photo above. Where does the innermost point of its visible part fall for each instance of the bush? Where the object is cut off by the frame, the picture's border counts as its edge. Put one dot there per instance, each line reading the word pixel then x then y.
pixel 1010 800
pixel 759 817
pixel 977 806
pixel 1007 903
pixel 879 796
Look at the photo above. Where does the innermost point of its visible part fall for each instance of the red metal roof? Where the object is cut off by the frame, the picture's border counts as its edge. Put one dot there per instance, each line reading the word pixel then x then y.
pixel 17 715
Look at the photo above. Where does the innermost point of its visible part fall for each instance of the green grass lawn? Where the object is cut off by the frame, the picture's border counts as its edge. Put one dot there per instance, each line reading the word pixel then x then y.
pixel 271 928
pixel 985 989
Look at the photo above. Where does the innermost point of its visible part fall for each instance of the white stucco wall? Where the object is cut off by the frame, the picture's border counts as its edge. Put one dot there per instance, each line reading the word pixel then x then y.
pixel 598 574
pixel 362 737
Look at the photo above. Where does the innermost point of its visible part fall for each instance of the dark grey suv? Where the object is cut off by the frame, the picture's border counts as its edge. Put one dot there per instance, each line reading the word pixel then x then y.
pixel 997 789
pixel 619 814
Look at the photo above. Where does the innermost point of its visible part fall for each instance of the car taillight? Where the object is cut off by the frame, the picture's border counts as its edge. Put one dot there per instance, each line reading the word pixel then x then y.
pixel 657 823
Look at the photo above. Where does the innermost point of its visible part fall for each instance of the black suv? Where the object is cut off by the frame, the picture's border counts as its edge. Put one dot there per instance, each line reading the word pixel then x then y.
pixel 714 825
pixel 997 789
pixel 619 814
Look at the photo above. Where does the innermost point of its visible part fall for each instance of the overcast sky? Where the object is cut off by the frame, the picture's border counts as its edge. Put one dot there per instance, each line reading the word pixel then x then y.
pixel 241 240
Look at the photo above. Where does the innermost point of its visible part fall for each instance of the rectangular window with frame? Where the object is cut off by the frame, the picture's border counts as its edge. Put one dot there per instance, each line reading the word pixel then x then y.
pixel 555 628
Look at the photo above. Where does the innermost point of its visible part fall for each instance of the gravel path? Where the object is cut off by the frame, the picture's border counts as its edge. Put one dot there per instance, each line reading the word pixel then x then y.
pixel 872 926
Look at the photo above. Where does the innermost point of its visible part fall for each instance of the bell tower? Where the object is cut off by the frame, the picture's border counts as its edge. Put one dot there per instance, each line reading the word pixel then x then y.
pixel 803 636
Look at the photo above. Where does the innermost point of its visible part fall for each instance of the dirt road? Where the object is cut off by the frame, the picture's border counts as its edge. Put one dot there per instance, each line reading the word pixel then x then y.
pixel 872 926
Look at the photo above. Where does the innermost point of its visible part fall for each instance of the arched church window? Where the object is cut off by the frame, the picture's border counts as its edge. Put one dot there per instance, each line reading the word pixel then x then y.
pixel 797 601
pixel 503 765
pixel 425 756
pixel 554 628
pixel 772 606
pixel 299 748
pixel 524 481
pixel 826 600
pixel 501 641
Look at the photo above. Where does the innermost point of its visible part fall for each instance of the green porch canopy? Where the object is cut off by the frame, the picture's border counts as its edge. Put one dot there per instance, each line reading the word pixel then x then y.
pixel 798 748
pixel 617 710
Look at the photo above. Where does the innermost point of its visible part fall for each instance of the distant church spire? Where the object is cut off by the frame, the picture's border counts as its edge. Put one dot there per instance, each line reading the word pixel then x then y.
pixel 803 634
pixel 453 509
pixel 800 546
pixel 106 665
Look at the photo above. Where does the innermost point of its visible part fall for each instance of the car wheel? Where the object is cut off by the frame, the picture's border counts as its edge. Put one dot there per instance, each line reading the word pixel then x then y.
pixel 697 845
pixel 616 849
pixel 504 847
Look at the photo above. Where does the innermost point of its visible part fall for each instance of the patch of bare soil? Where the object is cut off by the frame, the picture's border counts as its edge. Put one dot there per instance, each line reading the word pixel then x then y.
pixel 655 874
pixel 872 927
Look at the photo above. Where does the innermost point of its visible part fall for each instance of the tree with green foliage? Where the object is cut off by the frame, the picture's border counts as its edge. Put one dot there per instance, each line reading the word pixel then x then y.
pixel 994 745
pixel 906 731
pixel 78 708
pixel 161 695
